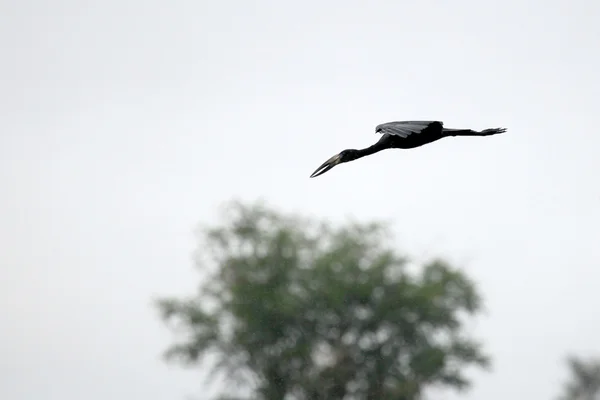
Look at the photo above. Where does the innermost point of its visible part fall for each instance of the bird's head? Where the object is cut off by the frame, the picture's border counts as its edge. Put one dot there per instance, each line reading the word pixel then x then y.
pixel 342 157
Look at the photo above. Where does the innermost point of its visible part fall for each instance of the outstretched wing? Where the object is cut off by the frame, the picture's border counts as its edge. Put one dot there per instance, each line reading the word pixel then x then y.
pixel 404 129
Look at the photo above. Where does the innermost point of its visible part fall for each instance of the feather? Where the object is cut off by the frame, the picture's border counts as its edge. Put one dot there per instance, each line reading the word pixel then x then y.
pixel 404 129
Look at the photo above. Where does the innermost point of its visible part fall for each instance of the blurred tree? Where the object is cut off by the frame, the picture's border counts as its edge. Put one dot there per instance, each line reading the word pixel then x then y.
pixel 295 309
pixel 584 382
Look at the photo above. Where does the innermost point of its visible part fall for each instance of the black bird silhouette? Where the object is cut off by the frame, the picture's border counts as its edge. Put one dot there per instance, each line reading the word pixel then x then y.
pixel 402 135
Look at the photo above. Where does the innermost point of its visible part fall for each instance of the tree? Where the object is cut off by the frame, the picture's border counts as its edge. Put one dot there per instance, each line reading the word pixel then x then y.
pixel 297 309
pixel 584 383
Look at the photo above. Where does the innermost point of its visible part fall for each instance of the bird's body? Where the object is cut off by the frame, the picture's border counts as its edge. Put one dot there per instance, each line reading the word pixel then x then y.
pixel 403 135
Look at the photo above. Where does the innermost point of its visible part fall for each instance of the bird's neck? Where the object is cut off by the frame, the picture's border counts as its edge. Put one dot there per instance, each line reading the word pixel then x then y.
pixel 369 150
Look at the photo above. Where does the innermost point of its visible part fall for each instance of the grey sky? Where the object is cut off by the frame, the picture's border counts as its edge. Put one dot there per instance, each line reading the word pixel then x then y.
pixel 125 123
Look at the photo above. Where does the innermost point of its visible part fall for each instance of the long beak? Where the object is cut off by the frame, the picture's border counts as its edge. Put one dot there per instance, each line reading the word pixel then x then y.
pixel 326 166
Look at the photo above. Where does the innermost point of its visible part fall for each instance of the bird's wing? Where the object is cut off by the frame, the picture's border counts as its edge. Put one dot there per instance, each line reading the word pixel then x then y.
pixel 404 129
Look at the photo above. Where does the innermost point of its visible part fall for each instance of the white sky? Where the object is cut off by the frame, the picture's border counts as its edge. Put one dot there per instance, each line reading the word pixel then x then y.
pixel 123 124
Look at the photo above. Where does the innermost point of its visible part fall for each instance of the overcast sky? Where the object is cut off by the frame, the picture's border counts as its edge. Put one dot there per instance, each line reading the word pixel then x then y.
pixel 124 124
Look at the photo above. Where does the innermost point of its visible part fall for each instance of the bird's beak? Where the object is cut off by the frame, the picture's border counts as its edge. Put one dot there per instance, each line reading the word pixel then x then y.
pixel 327 165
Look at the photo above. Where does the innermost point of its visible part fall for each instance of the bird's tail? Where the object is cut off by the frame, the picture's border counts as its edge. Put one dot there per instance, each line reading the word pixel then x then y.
pixel 469 132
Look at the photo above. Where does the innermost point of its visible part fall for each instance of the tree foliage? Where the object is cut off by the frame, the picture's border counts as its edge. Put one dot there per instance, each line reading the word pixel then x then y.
pixel 584 382
pixel 298 309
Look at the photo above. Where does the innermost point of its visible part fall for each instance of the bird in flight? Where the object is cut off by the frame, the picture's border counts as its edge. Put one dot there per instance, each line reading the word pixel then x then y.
pixel 402 135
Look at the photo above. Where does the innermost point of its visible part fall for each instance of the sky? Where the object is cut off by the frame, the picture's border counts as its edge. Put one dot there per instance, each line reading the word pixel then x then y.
pixel 125 124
